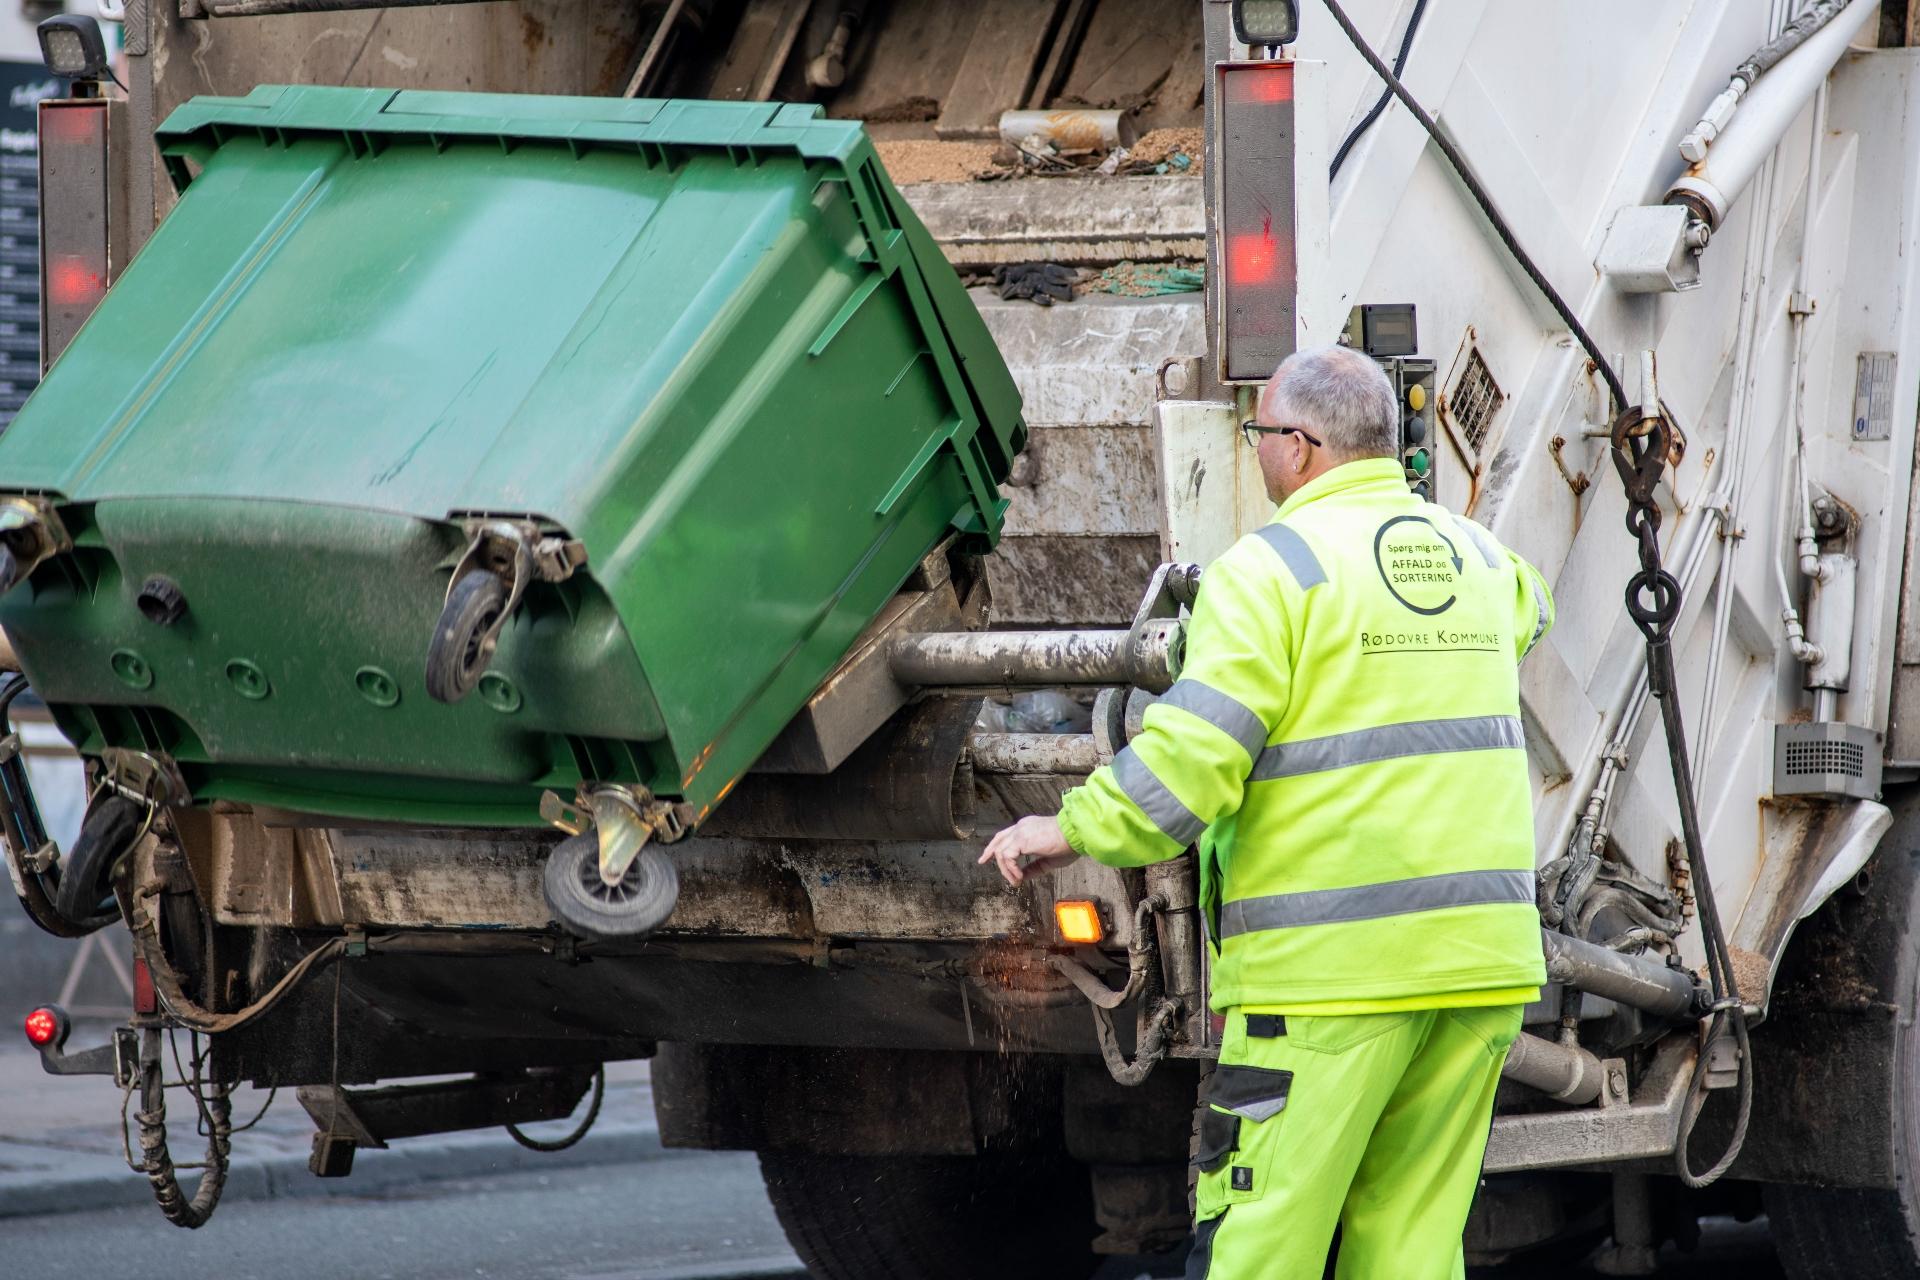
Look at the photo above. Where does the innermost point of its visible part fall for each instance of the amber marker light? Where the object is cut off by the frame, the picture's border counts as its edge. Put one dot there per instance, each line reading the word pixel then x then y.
pixel 1079 921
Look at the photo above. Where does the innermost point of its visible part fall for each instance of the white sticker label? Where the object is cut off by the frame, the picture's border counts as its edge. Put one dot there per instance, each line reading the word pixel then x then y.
pixel 1873 396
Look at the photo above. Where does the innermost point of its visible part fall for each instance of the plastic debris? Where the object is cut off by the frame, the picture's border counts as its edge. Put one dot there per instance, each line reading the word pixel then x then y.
pixel 1047 711
pixel 1148 279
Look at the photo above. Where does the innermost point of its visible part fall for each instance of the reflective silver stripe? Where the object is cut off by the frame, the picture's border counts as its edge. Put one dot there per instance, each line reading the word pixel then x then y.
pixel 1388 742
pixel 1293 549
pixel 1162 807
pixel 1540 607
pixel 1489 549
pixel 1224 712
pixel 1372 901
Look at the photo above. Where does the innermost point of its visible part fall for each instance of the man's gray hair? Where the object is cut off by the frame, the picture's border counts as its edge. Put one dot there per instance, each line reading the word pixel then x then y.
pixel 1341 396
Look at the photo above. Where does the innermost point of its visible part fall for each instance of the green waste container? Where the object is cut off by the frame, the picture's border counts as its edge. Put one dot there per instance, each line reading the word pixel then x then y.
pixel 676 393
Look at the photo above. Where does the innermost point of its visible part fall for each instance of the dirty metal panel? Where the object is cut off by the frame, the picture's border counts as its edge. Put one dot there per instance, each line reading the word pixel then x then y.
pixel 763 40
pixel 1068 219
pixel 535 46
pixel 739 889
pixel 1211 490
pixel 1811 850
pixel 1084 480
pixel 1638 1129
pixel 1003 799
pixel 252 874
pixel 932 891
pixel 1068 581
pixel 902 67
pixel 1144 56
pixel 1095 360
pixel 909 781
pixel 729 888
pixel 442 879
pixel 1009 42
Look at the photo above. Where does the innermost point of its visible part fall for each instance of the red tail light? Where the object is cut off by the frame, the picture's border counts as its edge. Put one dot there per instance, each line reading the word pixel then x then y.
pixel 73 281
pixel 144 999
pixel 44 1026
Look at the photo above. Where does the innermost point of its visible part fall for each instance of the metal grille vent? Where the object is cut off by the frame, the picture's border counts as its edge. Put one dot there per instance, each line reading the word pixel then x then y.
pixel 1475 400
pixel 1804 758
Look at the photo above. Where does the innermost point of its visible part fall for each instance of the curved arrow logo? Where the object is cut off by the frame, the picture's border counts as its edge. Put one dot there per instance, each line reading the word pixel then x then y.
pixel 1419 564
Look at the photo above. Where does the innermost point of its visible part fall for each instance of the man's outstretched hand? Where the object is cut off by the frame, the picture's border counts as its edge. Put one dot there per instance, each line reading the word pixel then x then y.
pixel 1031 845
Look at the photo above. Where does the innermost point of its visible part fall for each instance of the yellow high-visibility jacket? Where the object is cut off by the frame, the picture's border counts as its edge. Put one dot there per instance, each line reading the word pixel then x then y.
pixel 1344 743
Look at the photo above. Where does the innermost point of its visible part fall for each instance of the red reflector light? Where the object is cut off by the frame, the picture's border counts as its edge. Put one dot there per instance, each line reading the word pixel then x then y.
pixel 144 1000
pixel 43 1027
pixel 67 124
pixel 1270 83
pixel 72 281
pixel 1252 256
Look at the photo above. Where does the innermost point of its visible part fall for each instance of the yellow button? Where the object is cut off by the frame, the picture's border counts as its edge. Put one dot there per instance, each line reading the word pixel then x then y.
pixel 1416 397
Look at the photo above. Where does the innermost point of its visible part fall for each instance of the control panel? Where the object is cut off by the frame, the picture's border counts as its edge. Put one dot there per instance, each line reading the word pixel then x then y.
pixel 1390 334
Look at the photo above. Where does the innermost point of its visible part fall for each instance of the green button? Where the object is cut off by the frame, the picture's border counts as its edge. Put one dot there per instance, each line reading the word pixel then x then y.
pixel 1419 462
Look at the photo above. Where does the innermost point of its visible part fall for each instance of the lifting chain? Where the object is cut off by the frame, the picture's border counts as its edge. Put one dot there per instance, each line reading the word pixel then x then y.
pixel 1642 438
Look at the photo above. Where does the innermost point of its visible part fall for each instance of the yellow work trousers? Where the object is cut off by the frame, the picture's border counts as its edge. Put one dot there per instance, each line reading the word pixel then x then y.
pixel 1374 1123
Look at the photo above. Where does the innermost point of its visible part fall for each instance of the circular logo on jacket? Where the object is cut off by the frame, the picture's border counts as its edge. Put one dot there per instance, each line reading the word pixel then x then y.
pixel 1419 564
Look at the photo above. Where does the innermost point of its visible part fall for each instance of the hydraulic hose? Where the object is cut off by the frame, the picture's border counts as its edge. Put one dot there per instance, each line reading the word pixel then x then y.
pixel 22 835
pixel 1791 37
pixel 1694 147
pixel 180 1006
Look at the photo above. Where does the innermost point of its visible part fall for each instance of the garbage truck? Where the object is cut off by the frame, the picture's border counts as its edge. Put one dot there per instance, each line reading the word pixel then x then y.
pixel 559 529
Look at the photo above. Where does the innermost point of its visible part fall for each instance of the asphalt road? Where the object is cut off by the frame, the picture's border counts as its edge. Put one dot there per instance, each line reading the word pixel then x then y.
pixel 674 1218
pixel 691 1216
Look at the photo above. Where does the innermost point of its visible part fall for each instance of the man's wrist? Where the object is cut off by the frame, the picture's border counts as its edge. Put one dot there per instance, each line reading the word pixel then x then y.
pixel 1068 831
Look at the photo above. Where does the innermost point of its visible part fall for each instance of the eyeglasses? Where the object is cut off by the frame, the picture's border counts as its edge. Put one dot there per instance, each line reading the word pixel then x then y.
pixel 1251 431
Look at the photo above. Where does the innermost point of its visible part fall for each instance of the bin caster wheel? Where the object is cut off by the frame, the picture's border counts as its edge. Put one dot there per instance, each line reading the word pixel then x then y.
pixel 590 907
pixel 459 654
pixel 84 896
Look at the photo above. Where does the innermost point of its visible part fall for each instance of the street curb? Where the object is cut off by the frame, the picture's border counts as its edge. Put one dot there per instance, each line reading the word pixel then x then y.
pixel 111 1185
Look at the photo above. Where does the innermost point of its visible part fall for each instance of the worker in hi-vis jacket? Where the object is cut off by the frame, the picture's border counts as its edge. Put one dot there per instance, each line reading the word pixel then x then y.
pixel 1344 745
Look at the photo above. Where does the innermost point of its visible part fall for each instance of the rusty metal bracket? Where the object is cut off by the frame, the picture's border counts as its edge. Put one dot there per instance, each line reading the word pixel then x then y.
pixel 625 819
pixel 144 777
pixel 518 553
pixel 1157 638
pixel 31 532
pixel 1576 481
